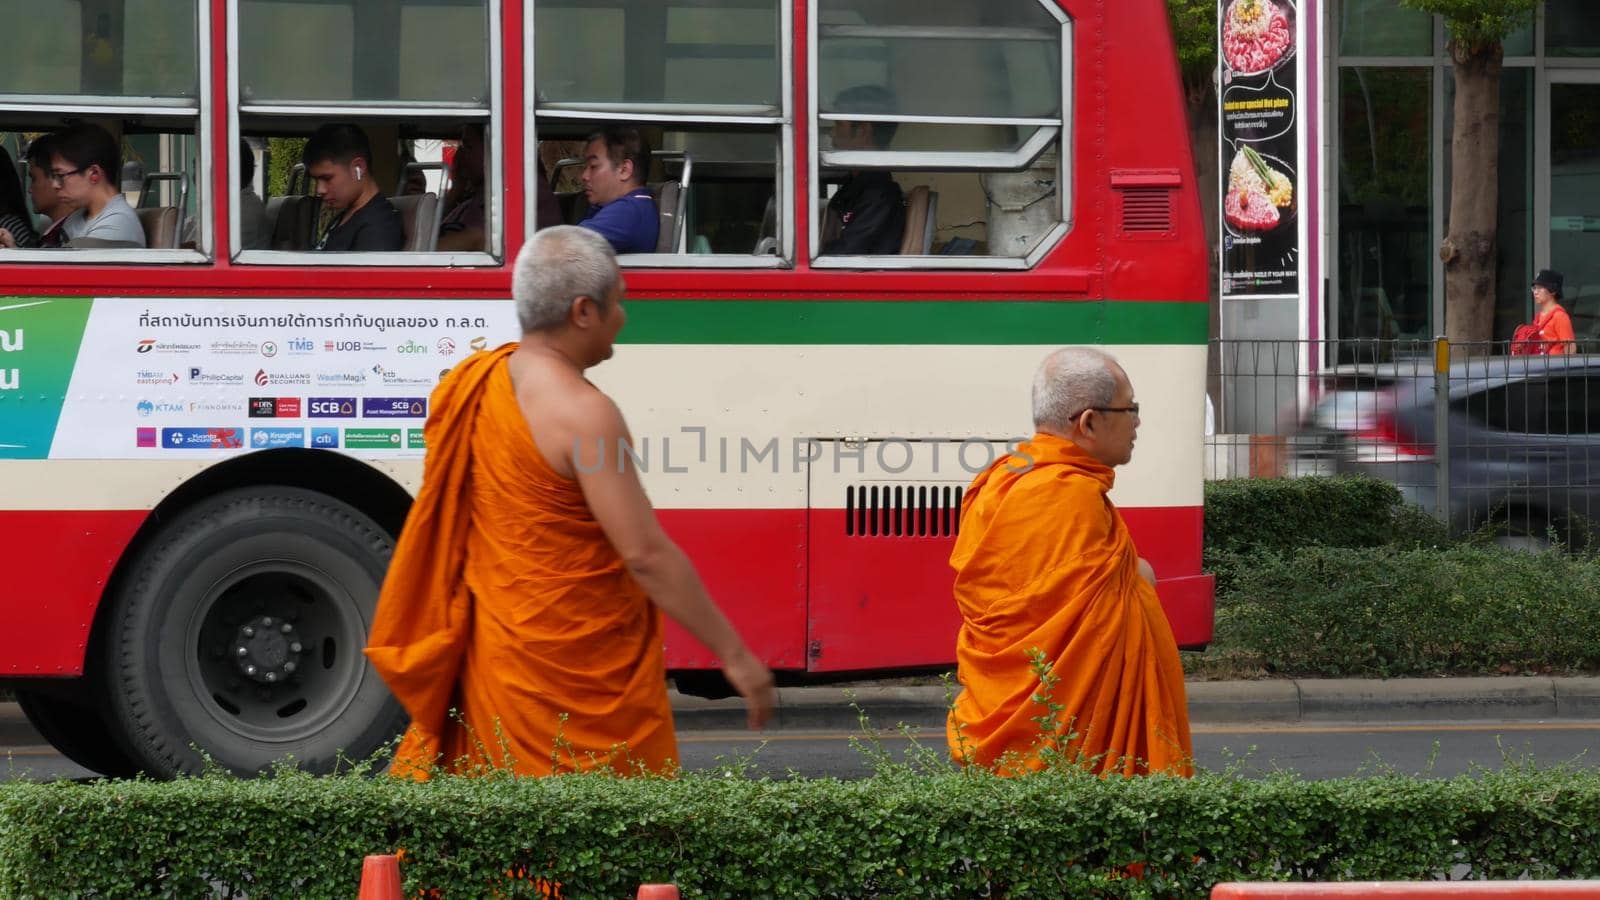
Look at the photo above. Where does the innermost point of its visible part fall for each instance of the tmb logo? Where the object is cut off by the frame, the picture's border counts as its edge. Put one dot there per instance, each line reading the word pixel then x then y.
pixel 301 345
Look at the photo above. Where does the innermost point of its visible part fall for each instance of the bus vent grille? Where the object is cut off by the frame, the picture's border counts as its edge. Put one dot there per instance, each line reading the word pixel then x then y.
pixel 902 510
pixel 1146 210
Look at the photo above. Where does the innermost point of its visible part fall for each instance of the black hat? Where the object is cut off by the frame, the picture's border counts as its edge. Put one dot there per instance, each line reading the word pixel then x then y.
pixel 1549 278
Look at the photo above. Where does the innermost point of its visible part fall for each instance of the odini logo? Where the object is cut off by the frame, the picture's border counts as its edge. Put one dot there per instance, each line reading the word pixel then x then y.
pixel 411 348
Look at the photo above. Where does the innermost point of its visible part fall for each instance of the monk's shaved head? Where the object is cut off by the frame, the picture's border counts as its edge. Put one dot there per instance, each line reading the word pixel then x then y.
pixel 1070 381
pixel 557 266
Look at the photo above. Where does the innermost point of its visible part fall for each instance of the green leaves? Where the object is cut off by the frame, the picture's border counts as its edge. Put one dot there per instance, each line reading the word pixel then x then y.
pixel 1059 833
pixel 1476 23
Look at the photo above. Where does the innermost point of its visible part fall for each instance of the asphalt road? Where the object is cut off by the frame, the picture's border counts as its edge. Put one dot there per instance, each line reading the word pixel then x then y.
pixel 1313 751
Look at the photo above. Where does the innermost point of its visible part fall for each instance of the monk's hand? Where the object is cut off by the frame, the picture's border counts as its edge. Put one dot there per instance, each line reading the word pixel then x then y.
pixel 1147 572
pixel 7 240
pixel 753 681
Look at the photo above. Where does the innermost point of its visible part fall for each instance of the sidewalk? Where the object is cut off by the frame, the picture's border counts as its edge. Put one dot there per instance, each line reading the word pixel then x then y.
pixel 1283 701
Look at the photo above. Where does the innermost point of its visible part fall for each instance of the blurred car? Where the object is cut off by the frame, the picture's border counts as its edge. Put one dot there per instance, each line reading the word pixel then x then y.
pixel 1523 438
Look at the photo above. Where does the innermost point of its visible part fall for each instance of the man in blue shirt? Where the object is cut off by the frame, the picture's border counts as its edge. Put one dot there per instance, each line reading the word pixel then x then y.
pixel 621 209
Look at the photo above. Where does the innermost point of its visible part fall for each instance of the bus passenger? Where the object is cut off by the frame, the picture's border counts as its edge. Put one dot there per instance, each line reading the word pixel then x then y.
pixel 616 164
pixel 520 620
pixel 338 157
pixel 42 192
pixel 16 225
pixel 254 233
pixel 1048 575
pixel 869 207
pixel 85 165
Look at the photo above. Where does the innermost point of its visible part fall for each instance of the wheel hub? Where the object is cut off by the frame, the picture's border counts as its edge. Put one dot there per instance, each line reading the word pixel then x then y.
pixel 267 650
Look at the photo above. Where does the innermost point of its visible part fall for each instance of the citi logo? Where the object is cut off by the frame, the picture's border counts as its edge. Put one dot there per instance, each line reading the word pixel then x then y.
pixel 261 377
pixel 411 348
pixel 145 346
pixel 11 341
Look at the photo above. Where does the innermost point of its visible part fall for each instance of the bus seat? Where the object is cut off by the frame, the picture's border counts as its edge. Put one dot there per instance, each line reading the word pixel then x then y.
pixel 669 207
pixel 420 215
pixel 921 207
pixel 273 206
pixel 295 226
pixel 160 225
pixel 767 234
pixel 701 245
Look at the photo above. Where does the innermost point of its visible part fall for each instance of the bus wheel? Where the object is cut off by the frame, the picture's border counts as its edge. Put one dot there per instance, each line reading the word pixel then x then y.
pixel 78 729
pixel 236 638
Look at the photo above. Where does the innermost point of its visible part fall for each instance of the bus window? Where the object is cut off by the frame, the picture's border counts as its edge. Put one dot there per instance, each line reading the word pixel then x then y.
pixel 699 87
pixel 116 88
pixel 377 125
pixel 911 160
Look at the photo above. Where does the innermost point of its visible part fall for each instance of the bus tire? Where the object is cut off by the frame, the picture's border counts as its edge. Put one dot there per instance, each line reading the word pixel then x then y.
pixel 78 729
pixel 236 638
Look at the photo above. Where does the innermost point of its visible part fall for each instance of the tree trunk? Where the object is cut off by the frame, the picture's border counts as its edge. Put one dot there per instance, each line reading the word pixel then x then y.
pixel 1468 250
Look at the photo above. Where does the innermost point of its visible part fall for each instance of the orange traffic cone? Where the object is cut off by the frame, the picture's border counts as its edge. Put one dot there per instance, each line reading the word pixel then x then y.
pixel 658 892
pixel 380 877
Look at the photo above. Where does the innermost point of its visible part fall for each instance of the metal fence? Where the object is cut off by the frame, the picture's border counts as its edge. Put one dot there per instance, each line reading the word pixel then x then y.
pixel 1513 450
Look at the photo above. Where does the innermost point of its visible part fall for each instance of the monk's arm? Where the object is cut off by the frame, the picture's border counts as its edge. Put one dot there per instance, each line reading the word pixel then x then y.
pixel 620 505
pixel 1147 572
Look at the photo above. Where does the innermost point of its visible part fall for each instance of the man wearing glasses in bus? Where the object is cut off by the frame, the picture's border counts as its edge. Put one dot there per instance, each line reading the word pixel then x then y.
pixel 338 157
pixel 82 159
pixel 1048 576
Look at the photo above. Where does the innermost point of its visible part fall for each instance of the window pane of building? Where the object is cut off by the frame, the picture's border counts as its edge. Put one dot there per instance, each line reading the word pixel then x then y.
pixel 1013 50
pixel 1383 28
pixel 650 51
pixel 364 50
pixel 136 48
pixel 1572 28
pixel 1575 203
pixel 1384 163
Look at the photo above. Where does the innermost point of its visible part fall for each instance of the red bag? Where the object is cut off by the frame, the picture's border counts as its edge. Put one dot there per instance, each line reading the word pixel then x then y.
pixel 1528 340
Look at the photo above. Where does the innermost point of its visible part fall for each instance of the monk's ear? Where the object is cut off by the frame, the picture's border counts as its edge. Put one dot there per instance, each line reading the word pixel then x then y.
pixel 583 309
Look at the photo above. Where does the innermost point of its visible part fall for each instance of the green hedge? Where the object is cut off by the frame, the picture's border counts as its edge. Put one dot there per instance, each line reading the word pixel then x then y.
pixel 1252 514
pixel 900 834
pixel 1387 611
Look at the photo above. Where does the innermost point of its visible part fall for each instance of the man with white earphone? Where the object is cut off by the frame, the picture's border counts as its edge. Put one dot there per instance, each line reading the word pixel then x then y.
pixel 338 157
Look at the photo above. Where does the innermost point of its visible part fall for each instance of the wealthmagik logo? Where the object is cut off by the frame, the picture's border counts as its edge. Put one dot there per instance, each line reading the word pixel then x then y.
pixel 39 340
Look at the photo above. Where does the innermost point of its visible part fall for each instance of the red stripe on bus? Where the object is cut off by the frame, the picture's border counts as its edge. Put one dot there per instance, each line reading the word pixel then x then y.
pixel 803 593
pixel 58 565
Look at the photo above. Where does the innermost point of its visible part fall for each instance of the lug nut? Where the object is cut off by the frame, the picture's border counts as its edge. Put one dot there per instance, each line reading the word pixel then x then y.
pixel 250 670
pixel 242 651
pixel 248 631
pixel 272 676
pixel 289 667
pixel 266 621
pixel 286 628
pixel 296 647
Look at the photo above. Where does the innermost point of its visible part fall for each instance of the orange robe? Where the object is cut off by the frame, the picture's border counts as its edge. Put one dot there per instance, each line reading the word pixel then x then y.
pixel 1044 561
pixel 508 625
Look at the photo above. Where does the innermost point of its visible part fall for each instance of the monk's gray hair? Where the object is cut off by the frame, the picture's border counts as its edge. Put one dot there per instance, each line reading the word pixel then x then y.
pixel 559 265
pixel 1069 381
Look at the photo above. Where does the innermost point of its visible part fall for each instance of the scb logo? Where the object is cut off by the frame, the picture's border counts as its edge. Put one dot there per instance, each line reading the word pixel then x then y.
pixel 342 407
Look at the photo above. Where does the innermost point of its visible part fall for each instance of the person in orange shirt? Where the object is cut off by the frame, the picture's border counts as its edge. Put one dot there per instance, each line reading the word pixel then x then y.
pixel 1046 573
pixel 519 621
pixel 1552 327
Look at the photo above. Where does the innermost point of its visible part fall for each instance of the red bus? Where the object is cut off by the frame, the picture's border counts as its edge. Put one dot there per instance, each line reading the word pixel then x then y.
pixel 209 442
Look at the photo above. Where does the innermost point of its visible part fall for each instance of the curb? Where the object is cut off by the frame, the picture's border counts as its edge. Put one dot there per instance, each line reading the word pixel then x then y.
pixel 1309 700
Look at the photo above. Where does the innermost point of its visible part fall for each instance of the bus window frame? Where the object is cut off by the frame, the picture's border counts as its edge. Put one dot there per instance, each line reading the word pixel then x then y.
pixel 679 114
pixel 201 110
pixel 492 118
pixel 910 161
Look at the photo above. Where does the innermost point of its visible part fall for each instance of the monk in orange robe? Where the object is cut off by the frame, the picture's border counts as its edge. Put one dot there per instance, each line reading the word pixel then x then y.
pixel 519 622
pixel 1045 566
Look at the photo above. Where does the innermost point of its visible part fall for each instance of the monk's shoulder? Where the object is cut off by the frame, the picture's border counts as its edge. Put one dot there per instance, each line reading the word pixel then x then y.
pixel 1060 493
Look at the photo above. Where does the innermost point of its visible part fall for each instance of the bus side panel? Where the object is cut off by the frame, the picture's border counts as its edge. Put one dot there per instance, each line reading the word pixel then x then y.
pixel 753 563
pixel 887 601
pixel 58 563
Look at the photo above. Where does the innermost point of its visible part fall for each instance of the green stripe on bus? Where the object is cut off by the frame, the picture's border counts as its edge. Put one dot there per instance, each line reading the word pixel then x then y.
pixel 913 322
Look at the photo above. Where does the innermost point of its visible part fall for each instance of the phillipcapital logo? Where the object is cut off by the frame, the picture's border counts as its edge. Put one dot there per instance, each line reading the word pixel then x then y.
pixel 199 375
